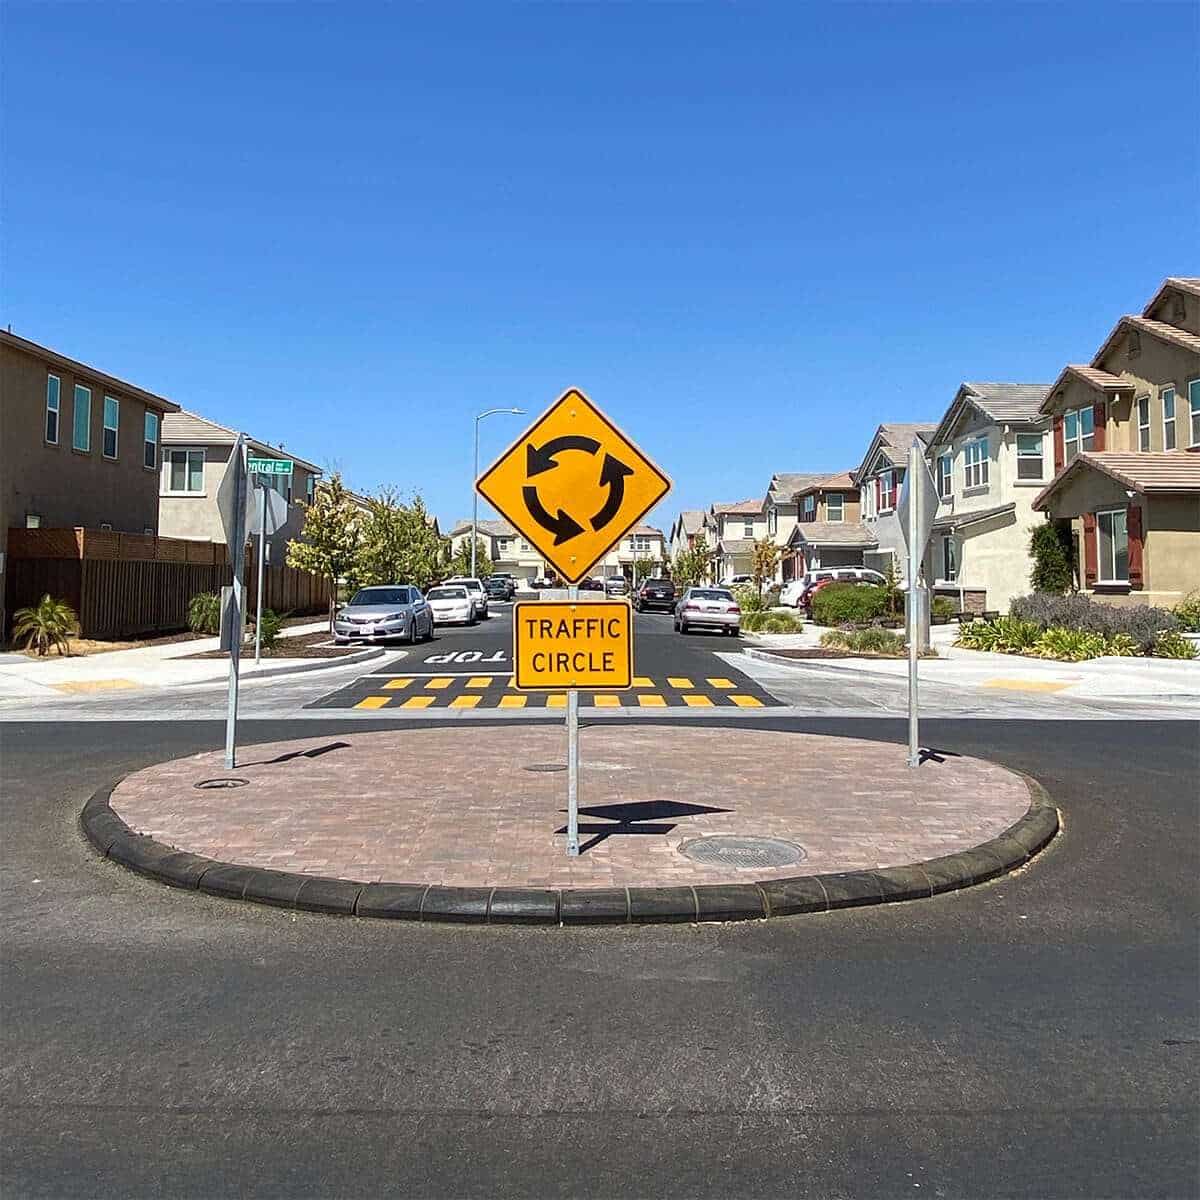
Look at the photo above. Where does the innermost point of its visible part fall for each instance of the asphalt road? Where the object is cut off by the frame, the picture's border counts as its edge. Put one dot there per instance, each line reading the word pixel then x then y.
pixel 1038 1036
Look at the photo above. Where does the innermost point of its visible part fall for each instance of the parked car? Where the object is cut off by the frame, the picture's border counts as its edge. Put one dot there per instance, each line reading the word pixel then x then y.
pixel 655 593
pixel 799 592
pixel 616 585
pixel 475 590
pixel 497 588
pixel 591 585
pixel 708 608
pixel 376 614
pixel 736 580
pixel 451 604
pixel 510 583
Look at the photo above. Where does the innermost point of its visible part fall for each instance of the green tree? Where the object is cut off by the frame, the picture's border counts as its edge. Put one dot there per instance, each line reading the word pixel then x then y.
pixel 894 597
pixel 692 566
pixel 397 543
pixel 643 568
pixel 460 560
pixel 328 542
pixel 763 562
pixel 1050 549
pixel 47 623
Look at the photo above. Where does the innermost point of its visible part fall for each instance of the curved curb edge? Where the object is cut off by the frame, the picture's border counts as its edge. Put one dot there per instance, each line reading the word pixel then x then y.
pixel 765 898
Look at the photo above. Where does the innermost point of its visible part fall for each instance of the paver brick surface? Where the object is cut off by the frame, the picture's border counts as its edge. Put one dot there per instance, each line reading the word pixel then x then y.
pixel 463 806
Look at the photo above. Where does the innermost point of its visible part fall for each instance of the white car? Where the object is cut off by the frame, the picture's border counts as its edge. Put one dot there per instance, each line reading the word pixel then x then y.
pixel 796 591
pixel 736 580
pixel 474 590
pixel 451 605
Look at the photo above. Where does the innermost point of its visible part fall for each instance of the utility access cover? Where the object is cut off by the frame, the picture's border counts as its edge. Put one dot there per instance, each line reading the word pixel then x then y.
pixel 572 485
pixel 722 850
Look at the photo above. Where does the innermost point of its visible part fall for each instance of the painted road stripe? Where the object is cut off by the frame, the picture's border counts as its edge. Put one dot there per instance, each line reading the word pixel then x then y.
pixel 606 701
pixel 513 701
pixel 652 702
pixel 746 701
pixel 393 684
pixel 642 681
pixel 558 700
pixel 418 702
pixel 442 681
pixel 722 683
pixel 465 701
pixel 374 702
pixel 680 681
pixel 1026 685
pixel 698 701
pixel 479 681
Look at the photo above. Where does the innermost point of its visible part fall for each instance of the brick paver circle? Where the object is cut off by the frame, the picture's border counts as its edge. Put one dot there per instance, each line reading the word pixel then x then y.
pixel 460 806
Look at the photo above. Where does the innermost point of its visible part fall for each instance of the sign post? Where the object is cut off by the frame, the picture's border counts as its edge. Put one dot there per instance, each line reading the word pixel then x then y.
pixel 265 466
pixel 572 485
pixel 231 504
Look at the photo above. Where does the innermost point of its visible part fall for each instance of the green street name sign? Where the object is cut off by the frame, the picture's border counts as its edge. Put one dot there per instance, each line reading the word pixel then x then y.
pixel 270 466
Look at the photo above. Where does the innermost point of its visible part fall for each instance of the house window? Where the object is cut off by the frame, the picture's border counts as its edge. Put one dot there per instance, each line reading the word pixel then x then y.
pixel 33 520
pixel 975 464
pixel 1113 545
pixel 641 543
pixel 809 512
pixel 1079 431
pixel 1030 455
pixel 1168 403
pixel 310 488
pixel 945 475
pixel 1194 406
pixel 52 389
pixel 772 521
pixel 887 491
pixel 501 547
pixel 185 471
pixel 748 529
pixel 150 441
pixel 949 560
pixel 112 415
pixel 81 433
pixel 866 502
pixel 834 503
pixel 1143 422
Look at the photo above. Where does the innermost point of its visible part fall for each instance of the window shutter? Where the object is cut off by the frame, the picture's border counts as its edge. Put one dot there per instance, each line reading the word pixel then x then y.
pixel 1060 453
pixel 1089 549
pixel 1133 526
pixel 1099 416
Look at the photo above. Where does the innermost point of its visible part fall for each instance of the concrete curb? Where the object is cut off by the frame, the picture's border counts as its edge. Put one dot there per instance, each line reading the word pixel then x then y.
pixel 780 661
pixel 573 906
pixel 302 665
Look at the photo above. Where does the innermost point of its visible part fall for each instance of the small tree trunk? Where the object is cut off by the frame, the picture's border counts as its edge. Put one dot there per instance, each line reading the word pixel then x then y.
pixel 332 601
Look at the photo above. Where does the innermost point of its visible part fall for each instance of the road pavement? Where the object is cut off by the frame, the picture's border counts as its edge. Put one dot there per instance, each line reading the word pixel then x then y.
pixel 1038 1036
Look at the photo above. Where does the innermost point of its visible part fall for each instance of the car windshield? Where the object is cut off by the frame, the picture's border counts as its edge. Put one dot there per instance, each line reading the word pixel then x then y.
pixel 658 583
pixel 380 595
pixel 710 594
pixel 448 593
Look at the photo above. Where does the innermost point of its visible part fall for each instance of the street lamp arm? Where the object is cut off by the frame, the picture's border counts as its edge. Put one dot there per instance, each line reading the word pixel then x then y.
pixel 514 412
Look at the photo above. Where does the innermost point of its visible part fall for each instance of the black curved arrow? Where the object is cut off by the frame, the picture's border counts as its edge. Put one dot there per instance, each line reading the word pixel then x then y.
pixel 541 458
pixel 613 474
pixel 564 526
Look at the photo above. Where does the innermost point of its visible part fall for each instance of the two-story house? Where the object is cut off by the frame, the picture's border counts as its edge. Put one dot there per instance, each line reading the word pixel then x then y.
pixel 1126 451
pixel 641 542
pixel 78 447
pixel 990 457
pixel 829 531
pixel 195 453
pixel 733 530
pixel 684 531
pixel 781 511
pixel 507 549
pixel 879 478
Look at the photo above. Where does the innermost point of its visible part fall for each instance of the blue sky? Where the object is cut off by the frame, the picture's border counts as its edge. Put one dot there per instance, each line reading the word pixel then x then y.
pixel 750 233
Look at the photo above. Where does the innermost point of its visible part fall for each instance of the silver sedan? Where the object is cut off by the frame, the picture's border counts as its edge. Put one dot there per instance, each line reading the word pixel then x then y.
pixel 376 614
pixel 708 608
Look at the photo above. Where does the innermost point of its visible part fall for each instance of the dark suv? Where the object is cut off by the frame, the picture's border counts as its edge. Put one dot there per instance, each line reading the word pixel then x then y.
pixel 498 587
pixel 655 593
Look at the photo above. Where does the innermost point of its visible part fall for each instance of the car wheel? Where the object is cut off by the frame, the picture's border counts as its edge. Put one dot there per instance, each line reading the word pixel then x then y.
pixel 736 631
pixel 683 628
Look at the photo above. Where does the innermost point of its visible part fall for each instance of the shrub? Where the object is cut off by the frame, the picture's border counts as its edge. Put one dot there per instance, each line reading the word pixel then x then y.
pixel 272 623
pixel 979 635
pixel 1172 644
pixel 1140 622
pixel 1187 612
pixel 47 623
pixel 1050 549
pixel 1015 636
pixel 771 595
pixel 865 641
pixel 204 613
pixel 749 600
pixel 854 603
pixel 1069 645
pixel 1121 645
pixel 943 606
pixel 771 622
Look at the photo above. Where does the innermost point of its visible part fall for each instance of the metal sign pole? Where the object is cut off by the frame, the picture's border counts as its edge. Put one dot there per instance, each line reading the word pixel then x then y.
pixel 912 607
pixel 573 757
pixel 237 556
pixel 262 541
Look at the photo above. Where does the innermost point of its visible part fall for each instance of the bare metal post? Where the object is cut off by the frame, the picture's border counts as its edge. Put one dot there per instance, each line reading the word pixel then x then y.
pixel 573 758
pixel 262 541
pixel 912 606
pixel 237 556
pixel 516 412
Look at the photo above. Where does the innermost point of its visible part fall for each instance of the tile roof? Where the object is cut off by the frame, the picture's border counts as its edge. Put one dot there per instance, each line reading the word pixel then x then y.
pixel 833 533
pixel 839 479
pixel 1103 381
pixel 740 506
pixel 1147 471
pixel 652 530
pixel 179 428
pixel 692 520
pixel 1008 401
pixel 1182 283
pixel 736 545
pixel 785 484
pixel 974 516
pixel 1158 329
pixel 487 528
pixel 894 438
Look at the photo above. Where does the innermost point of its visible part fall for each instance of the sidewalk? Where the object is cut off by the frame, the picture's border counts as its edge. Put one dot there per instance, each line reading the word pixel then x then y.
pixel 165 665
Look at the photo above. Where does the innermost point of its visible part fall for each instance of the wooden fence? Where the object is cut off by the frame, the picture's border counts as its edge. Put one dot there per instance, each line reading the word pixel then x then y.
pixel 133 585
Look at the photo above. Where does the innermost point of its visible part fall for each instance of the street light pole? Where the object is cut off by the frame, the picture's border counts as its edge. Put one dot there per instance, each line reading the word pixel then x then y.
pixel 516 412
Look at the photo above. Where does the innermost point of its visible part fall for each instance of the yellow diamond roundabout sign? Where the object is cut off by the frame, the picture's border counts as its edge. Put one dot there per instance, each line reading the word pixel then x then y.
pixel 572 485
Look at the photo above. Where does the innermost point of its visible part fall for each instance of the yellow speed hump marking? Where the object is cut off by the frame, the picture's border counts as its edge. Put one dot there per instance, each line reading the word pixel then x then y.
pixel 572 644
pixel 573 484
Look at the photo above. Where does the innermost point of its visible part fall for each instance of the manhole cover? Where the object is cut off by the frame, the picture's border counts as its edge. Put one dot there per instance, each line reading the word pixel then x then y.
pixel 545 767
pixel 722 851
pixel 228 782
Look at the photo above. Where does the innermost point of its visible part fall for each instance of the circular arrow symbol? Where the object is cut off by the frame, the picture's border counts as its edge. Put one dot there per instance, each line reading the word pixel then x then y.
pixel 539 459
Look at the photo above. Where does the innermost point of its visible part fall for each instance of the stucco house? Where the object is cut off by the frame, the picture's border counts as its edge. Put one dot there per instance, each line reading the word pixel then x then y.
pixel 879 478
pixel 684 530
pixel 829 531
pixel 507 549
pixel 781 510
pixel 990 456
pixel 732 531
pixel 1126 451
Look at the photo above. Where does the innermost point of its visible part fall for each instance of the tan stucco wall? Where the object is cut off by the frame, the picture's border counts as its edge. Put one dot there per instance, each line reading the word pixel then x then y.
pixel 1171 558
pixel 1166 310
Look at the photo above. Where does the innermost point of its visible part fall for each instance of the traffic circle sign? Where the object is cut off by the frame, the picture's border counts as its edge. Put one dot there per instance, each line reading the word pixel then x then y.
pixel 572 485
pixel 572 644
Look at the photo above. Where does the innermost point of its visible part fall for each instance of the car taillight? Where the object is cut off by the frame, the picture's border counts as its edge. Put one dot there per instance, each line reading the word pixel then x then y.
pixel 691 608
pixel 733 608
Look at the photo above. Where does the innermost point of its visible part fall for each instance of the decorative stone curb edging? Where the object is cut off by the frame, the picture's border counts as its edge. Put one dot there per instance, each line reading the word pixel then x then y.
pixel 299 665
pixel 579 906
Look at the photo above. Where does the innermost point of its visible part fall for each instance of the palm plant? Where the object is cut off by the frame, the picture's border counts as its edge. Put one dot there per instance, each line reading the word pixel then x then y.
pixel 48 623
